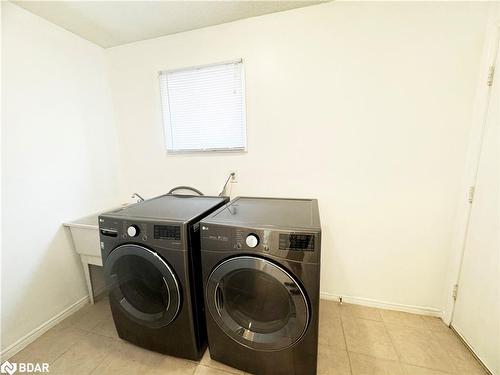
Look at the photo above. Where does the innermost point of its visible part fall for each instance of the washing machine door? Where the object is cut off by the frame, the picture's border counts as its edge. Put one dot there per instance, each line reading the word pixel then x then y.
pixel 143 284
pixel 257 303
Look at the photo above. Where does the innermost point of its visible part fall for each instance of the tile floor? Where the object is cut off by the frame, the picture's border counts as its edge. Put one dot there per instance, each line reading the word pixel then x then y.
pixel 353 340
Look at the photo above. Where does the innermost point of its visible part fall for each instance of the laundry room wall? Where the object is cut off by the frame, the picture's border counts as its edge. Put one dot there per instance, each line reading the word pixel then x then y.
pixel 59 162
pixel 365 106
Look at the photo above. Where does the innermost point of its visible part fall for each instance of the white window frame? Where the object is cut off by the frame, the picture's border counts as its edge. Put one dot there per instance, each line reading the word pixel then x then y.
pixel 207 150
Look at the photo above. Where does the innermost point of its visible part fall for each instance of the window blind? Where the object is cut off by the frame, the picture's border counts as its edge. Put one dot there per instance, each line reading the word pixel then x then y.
pixel 204 108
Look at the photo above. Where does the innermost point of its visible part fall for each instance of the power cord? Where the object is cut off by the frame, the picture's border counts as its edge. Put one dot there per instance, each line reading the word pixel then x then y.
pixel 223 191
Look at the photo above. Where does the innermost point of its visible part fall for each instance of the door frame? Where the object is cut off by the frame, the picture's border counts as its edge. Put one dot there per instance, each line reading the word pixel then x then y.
pixel 481 104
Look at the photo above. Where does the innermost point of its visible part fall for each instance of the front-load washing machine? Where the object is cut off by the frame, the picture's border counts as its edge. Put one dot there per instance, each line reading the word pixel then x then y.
pixel 261 273
pixel 151 259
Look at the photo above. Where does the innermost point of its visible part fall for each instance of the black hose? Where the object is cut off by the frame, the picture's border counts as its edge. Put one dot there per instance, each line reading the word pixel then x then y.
pixel 185 188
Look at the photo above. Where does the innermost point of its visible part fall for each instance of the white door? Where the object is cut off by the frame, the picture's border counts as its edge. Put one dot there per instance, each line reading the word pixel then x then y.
pixel 477 313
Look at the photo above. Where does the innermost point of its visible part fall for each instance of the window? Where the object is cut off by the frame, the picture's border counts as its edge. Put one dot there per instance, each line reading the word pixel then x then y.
pixel 204 108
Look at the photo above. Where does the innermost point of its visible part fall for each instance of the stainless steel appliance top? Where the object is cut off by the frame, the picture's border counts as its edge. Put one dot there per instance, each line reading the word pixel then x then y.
pixel 273 212
pixel 169 207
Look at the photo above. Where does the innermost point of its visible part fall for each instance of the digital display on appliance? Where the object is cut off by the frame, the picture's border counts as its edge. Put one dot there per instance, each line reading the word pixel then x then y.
pixel 167 232
pixel 299 242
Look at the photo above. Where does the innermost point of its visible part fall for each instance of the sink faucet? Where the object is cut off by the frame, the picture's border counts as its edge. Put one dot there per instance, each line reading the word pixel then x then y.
pixel 138 196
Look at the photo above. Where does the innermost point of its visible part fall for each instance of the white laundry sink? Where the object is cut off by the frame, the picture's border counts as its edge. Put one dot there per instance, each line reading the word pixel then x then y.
pixel 85 233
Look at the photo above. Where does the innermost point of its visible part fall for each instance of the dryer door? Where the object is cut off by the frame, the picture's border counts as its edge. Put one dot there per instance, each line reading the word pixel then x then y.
pixel 257 303
pixel 144 285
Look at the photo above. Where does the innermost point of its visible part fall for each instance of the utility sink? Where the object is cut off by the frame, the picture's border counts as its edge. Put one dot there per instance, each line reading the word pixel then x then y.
pixel 85 234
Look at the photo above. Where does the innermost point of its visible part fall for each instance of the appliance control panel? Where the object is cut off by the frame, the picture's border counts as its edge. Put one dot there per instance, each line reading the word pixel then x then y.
pixel 298 245
pixel 115 231
pixel 296 241
pixel 167 232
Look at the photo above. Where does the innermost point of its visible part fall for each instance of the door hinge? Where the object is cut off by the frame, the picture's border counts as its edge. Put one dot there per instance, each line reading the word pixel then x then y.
pixel 491 75
pixel 470 197
pixel 455 292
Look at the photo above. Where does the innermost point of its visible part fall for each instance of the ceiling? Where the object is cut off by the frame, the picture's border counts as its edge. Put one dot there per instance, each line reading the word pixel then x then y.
pixel 111 23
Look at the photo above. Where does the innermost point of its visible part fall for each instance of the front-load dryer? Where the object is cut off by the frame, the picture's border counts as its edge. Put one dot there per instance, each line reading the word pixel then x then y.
pixel 261 274
pixel 151 259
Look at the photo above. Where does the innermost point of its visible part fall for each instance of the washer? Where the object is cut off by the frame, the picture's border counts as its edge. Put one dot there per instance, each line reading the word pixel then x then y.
pixel 151 258
pixel 261 273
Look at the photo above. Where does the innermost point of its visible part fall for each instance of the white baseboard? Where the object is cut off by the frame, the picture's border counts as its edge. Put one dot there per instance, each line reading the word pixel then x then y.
pixel 422 310
pixel 40 330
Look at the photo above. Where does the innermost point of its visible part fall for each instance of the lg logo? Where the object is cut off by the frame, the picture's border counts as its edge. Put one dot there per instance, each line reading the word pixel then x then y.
pixel 8 368
pixel 11 368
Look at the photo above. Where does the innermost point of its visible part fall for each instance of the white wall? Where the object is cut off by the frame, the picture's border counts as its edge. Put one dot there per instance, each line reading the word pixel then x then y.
pixel 366 107
pixel 59 157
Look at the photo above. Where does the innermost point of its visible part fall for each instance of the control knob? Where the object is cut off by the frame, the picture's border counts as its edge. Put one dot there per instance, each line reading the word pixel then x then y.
pixel 133 231
pixel 252 240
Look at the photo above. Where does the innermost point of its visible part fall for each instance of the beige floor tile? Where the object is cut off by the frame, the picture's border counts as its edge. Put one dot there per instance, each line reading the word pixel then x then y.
pixel 207 361
pixel 452 343
pixel 417 346
pixel 403 318
pixel 356 311
pixel 50 345
pixel 172 366
pixel 469 367
pixel 106 328
pixel 84 356
pixel 206 370
pixel 126 359
pixel 103 307
pixel 92 316
pixel 365 365
pixel 328 309
pixel 435 324
pixel 368 337
pixel 88 317
pixel 462 358
pixel 68 322
pixel 414 370
pixel 331 333
pixel 332 361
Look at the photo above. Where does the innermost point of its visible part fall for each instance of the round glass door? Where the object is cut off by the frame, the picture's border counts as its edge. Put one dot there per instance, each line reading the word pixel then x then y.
pixel 257 303
pixel 143 284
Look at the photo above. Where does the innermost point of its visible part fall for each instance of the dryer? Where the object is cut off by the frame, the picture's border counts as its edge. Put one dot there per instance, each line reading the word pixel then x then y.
pixel 261 274
pixel 151 259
